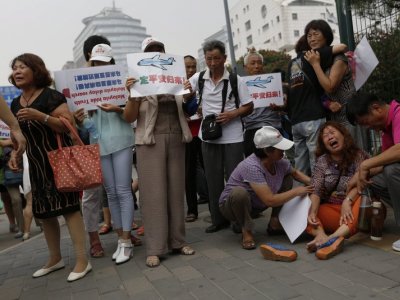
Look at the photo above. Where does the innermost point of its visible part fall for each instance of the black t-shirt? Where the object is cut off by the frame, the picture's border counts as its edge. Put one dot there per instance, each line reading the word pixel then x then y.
pixel 304 96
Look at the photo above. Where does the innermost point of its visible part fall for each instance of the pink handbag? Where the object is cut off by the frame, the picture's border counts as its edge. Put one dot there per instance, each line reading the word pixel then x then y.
pixel 77 167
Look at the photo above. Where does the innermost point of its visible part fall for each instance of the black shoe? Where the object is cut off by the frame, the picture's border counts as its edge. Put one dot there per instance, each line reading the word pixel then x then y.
pixel 215 228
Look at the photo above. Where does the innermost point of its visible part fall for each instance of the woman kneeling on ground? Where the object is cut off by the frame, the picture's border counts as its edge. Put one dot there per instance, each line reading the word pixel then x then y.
pixel 333 215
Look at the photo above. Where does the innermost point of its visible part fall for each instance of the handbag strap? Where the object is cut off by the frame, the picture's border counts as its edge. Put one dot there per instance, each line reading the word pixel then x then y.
pixel 71 129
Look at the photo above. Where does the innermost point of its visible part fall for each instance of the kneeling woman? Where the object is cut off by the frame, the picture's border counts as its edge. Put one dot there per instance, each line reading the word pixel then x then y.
pixel 333 214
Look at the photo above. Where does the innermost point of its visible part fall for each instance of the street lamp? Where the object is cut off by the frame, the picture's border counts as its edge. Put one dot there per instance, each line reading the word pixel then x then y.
pixel 230 38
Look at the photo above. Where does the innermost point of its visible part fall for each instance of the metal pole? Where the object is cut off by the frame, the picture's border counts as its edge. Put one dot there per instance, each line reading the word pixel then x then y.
pixel 230 38
pixel 343 9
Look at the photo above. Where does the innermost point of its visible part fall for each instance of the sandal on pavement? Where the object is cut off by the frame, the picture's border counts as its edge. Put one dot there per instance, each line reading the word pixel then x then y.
pixel 190 218
pixel 104 229
pixel 249 245
pixel 277 252
pixel 185 250
pixel 330 248
pixel 152 261
pixel 96 250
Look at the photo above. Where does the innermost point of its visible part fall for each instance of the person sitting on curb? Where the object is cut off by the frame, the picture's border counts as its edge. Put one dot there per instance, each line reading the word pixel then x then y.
pixel 381 172
pixel 262 180
pixel 334 212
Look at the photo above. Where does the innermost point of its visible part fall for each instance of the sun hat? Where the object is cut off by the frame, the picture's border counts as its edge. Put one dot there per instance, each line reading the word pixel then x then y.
pixel 268 136
pixel 101 52
pixel 151 41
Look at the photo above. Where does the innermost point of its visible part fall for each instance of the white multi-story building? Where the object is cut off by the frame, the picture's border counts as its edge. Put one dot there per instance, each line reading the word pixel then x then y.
pixel 276 24
pixel 124 32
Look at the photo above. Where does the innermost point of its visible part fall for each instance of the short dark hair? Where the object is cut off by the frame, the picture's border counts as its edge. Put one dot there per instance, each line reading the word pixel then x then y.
pixel 360 104
pixel 214 44
pixel 263 152
pixel 92 41
pixel 322 26
pixel 41 76
pixel 301 44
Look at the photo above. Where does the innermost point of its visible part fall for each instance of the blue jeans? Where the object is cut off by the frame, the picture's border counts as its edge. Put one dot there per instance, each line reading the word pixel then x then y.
pixel 117 175
pixel 305 136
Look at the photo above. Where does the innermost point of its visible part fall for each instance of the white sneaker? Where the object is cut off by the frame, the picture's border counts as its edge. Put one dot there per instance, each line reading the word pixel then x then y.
pixel 125 253
pixel 396 245
pixel 115 254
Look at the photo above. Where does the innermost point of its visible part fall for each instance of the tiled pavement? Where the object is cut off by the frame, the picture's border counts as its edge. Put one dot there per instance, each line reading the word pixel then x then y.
pixel 219 270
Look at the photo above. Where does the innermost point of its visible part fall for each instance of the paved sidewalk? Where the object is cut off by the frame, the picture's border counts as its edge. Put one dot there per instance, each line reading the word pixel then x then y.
pixel 219 270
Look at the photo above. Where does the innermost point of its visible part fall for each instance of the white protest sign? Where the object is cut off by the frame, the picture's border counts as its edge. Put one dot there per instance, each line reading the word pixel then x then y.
pixel 8 93
pixel 293 216
pixel 88 87
pixel 366 62
pixel 157 73
pixel 265 89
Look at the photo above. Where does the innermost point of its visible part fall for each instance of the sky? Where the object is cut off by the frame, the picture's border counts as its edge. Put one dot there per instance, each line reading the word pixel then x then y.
pixel 48 28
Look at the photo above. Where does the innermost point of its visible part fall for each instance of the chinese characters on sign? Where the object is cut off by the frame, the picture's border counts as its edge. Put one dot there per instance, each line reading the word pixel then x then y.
pixel 8 93
pixel 88 87
pixel 157 73
pixel 265 89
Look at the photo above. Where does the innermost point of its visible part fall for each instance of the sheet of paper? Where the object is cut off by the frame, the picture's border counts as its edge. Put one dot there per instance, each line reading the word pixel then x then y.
pixel 366 62
pixel 293 216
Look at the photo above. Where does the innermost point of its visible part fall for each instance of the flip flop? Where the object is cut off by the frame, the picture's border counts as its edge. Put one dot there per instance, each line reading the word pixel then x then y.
pixel 104 229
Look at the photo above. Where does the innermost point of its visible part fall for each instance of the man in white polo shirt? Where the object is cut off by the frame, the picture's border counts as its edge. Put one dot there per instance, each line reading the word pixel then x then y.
pixel 220 155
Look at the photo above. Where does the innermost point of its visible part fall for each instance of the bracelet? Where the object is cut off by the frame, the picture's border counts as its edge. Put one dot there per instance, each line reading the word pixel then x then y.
pixel 349 198
pixel 46 118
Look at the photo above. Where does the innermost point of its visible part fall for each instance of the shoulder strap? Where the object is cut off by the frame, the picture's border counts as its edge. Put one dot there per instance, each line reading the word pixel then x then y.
pixel 200 84
pixel 233 80
pixel 224 93
pixel 304 73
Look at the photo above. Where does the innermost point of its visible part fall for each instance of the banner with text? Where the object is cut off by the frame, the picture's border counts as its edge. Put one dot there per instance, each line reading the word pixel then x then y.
pixel 8 93
pixel 265 89
pixel 88 87
pixel 157 73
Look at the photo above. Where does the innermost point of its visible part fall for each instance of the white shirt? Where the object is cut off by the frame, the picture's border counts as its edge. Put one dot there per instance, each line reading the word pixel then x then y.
pixel 211 103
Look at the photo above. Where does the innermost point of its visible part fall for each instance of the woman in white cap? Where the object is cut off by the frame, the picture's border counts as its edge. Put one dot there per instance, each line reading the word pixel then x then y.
pixel 262 180
pixel 115 137
pixel 161 132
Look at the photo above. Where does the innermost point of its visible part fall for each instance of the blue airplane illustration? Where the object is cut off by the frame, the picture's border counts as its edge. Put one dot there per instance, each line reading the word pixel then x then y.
pixel 157 62
pixel 258 82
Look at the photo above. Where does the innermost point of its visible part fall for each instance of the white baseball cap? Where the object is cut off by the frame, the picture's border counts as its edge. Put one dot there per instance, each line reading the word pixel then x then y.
pixel 151 41
pixel 268 136
pixel 101 52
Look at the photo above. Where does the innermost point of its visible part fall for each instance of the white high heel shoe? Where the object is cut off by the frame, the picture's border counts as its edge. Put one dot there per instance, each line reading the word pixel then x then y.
pixel 75 276
pixel 44 271
pixel 115 254
pixel 125 253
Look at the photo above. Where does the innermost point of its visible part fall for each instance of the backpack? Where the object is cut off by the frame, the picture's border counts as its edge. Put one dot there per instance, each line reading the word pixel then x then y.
pixel 234 85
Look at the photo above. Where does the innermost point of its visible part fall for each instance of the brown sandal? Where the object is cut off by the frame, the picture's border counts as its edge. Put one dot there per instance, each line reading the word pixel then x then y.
pixel 104 229
pixel 249 245
pixel 96 250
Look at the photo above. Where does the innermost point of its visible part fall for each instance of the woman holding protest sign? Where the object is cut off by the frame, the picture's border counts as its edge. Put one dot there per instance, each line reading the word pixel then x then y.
pixel 161 132
pixel 38 110
pixel 115 137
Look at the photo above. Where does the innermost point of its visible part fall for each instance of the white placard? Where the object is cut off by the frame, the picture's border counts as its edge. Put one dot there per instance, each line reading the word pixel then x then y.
pixel 88 87
pixel 8 93
pixel 157 73
pixel 293 216
pixel 366 62
pixel 265 89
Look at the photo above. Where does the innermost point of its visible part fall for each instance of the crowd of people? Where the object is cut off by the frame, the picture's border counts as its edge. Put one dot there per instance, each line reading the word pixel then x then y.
pixel 240 172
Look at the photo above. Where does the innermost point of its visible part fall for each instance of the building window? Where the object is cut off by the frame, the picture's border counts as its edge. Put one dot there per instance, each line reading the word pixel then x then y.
pixel 280 35
pixel 247 25
pixel 237 17
pixel 235 47
pixel 265 27
pixel 263 11
pixel 231 21
pixel 296 33
pixel 244 10
pixel 247 7
pixel 249 40
pixel 277 19
pixel 294 16
pixel 238 31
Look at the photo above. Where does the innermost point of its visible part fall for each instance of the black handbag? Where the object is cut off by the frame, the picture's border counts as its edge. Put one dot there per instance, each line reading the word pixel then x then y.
pixel 210 128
